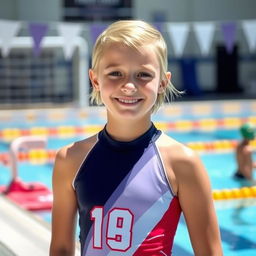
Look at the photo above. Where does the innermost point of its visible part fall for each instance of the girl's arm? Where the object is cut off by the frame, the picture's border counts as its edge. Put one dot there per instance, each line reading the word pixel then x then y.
pixel 64 207
pixel 196 201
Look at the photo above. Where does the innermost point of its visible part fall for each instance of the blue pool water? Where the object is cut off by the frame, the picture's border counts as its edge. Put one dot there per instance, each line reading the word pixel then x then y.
pixel 237 223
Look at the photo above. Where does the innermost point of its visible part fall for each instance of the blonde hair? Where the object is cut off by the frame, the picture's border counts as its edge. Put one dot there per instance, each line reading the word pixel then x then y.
pixel 134 34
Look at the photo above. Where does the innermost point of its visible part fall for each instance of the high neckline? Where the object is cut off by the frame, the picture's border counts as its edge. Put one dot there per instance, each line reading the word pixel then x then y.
pixel 141 142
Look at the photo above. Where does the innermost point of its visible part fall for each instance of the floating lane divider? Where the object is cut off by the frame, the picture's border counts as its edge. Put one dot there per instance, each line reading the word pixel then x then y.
pixel 216 146
pixel 234 193
pixel 60 131
pixel 40 156
pixel 34 156
pixel 8 134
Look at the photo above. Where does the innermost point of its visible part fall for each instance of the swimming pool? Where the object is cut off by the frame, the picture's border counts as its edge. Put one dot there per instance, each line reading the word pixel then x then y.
pixel 236 217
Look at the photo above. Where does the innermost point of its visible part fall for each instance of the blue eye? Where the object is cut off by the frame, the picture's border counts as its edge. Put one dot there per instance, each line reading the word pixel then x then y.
pixel 115 73
pixel 144 75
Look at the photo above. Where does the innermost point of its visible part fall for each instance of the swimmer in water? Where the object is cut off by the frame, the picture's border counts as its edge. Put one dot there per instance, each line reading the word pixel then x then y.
pixel 245 164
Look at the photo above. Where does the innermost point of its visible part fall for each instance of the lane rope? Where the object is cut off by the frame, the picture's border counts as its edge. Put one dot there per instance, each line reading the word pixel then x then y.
pixel 8 134
pixel 41 155
pixel 234 193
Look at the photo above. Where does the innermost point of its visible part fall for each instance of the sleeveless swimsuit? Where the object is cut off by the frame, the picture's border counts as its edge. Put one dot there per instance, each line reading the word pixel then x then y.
pixel 126 205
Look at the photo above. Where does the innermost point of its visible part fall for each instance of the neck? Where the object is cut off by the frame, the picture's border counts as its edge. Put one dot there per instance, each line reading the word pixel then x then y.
pixel 245 142
pixel 127 130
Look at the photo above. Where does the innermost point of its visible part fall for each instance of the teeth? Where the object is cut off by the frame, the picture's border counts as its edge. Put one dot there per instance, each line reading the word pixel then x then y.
pixel 128 101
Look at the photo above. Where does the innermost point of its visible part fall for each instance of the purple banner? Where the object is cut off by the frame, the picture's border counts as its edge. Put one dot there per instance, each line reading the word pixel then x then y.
pixel 229 34
pixel 158 26
pixel 96 30
pixel 37 32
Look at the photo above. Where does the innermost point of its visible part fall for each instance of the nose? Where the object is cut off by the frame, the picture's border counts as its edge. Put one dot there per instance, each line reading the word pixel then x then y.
pixel 129 88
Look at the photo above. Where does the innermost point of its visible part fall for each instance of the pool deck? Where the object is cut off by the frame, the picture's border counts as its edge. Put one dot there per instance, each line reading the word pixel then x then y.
pixel 22 233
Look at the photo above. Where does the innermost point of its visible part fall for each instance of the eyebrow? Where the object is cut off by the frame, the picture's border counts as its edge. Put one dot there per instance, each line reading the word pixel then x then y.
pixel 112 65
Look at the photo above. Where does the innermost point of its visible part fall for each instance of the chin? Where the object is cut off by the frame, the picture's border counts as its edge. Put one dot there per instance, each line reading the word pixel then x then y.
pixel 132 115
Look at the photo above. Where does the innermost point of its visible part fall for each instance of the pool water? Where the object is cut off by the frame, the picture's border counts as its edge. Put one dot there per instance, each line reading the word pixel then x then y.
pixel 237 222
pixel 237 227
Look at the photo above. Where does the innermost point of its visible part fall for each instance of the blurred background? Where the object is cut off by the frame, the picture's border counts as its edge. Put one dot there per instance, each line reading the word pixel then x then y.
pixel 45 47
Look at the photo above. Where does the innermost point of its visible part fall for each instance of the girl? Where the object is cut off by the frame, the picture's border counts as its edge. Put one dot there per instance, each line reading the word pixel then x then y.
pixel 130 181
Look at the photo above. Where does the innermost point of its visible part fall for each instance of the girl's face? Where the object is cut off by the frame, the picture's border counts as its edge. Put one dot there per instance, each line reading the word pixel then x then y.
pixel 128 80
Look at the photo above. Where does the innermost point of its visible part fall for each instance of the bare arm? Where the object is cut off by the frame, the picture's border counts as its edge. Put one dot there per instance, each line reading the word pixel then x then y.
pixel 196 201
pixel 253 162
pixel 64 208
pixel 245 161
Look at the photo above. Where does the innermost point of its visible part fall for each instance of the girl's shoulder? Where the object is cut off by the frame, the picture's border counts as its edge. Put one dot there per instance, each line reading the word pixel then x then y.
pixel 181 158
pixel 69 158
pixel 184 166
pixel 77 148
pixel 174 148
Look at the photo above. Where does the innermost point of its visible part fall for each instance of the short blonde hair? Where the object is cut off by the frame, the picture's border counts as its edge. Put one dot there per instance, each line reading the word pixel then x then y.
pixel 134 34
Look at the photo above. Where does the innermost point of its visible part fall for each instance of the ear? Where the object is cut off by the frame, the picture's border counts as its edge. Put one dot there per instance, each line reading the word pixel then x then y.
pixel 164 83
pixel 94 79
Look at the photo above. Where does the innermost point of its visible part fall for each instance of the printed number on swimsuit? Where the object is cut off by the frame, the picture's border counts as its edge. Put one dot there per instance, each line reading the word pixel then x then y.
pixel 118 228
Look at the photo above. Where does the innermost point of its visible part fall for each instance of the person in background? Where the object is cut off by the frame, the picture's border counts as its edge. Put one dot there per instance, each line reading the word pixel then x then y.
pixel 130 182
pixel 245 164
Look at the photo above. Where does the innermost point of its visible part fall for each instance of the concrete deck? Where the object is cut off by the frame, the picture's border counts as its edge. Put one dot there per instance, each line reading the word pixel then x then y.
pixel 21 232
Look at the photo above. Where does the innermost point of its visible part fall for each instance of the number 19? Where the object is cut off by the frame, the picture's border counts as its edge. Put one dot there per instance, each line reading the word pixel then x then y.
pixel 118 231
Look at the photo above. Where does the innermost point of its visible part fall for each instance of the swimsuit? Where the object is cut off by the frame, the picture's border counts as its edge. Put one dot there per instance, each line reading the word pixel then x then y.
pixel 239 175
pixel 126 205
